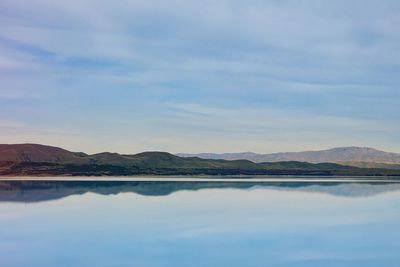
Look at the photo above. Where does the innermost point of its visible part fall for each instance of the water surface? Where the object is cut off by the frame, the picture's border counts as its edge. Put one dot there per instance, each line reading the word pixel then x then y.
pixel 199 224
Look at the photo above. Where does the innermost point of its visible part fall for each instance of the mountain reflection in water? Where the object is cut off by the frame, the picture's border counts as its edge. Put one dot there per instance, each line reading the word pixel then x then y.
pixel 198 224
pixel 36 191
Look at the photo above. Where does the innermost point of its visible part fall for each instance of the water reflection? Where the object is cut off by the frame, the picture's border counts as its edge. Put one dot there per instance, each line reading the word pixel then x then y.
pixel 34 191
pixel 199 224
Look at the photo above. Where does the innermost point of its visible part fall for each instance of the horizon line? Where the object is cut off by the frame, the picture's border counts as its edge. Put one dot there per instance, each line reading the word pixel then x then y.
pixel 199 153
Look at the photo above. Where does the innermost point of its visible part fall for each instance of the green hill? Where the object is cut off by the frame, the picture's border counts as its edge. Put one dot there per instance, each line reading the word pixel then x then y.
pixel 33 159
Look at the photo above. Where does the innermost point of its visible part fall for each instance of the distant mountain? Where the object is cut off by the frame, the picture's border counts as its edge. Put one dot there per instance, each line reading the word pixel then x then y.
pixel 34 159
pixel 350 155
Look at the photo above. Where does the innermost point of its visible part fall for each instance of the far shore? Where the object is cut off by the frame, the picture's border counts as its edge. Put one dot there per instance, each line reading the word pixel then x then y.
pixel 243 179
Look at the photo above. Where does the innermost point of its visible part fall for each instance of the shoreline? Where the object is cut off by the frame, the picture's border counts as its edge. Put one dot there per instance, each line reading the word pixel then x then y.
pixel 230 179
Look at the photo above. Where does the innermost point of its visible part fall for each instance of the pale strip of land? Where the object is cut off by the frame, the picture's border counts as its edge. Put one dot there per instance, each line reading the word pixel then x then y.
pixel 211 179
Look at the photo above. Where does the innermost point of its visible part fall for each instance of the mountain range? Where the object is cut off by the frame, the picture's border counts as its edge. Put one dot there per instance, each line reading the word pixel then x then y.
pixel 352 156
pixel 35 159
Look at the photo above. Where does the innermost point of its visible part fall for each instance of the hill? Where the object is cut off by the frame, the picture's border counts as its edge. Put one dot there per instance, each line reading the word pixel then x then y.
pixel 34 159
pixel 335 155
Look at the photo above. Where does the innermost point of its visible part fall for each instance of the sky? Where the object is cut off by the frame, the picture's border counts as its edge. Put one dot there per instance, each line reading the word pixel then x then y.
pixel 200 76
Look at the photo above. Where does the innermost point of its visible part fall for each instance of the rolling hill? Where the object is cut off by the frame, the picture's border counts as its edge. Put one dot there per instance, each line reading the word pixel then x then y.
pixel 347 155
pixel 34 159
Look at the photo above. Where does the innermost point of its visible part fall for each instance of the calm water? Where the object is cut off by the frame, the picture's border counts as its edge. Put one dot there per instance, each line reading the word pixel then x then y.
pixel 198 224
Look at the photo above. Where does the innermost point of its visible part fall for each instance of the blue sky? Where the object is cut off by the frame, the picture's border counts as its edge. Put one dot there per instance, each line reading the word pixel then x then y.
pixel 200 76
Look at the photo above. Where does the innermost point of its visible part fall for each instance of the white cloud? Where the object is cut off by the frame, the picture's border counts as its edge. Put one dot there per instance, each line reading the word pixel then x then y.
pixel 268 73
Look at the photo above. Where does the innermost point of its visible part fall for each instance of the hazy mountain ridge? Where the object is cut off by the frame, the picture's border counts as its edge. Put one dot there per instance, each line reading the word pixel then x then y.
pixel 335 155
pixel 34 159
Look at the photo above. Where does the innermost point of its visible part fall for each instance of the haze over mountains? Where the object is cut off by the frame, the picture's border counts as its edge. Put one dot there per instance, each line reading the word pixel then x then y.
pixel 344 155
pixel 34 159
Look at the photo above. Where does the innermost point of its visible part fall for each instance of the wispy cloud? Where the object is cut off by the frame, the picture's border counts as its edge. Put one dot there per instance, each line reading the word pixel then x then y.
pixel 258 71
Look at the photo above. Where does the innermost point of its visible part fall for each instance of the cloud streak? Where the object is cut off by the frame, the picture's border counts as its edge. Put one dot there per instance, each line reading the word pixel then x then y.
pixel 301 69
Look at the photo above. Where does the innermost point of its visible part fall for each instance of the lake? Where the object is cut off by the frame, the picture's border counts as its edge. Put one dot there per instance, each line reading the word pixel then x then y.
pixel 153 223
